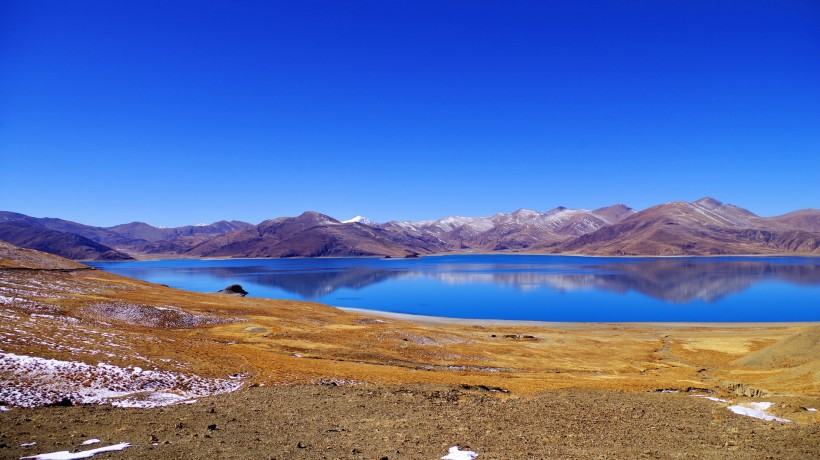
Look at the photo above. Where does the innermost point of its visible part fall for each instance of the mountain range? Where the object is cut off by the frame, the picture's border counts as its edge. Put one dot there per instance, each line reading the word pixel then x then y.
pixel 703 227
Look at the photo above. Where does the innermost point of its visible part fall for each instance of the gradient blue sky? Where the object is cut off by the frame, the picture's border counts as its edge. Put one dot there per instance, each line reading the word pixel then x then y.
pixel 176 113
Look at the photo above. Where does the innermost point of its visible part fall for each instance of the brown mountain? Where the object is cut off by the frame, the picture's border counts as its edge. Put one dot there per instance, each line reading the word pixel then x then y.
pixel 805 219
pixel 31 235
pixel 147 239
pixel 98 234
pixel 703 227
pixel 312 235
pixel 614 213
pixel 143 231
pixel 520 230
pixel 136 237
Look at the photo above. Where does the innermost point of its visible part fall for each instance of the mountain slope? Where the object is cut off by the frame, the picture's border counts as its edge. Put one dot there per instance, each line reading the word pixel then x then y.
pixel 614 213
pixel 311 235
pixel 804 219
pixel 143 231
pixel 703 227
pixel 136 237
pixel 12 256
pixel 523 229
pixel 147 239
pixel 31 235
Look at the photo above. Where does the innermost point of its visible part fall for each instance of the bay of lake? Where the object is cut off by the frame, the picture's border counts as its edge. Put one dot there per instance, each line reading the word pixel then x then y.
pixel 519 287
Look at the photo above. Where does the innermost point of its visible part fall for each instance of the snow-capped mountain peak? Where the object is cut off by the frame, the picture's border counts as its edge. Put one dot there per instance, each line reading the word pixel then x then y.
pixel 361 220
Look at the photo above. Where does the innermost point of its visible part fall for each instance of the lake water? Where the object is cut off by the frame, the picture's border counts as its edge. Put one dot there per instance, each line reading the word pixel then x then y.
pixel 519 287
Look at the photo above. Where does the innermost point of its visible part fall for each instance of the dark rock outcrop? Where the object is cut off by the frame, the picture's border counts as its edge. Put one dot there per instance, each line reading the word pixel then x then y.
pixel 233 289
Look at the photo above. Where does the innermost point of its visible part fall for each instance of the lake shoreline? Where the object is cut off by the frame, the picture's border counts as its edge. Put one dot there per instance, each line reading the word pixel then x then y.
pixel 428 320
pixel 159 257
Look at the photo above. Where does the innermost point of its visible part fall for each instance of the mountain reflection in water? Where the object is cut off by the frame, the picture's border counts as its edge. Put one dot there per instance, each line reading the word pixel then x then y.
pixel 679 280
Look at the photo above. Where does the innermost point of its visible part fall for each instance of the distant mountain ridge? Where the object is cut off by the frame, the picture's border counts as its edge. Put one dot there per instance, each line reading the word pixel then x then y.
pixel 521 229
pixel 84 242
pixel 703 227
pixel 26 232
pixel 143 231
pixel 312 235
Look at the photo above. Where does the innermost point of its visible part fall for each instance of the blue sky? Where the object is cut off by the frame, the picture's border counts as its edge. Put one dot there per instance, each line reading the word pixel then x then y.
pixel 177 113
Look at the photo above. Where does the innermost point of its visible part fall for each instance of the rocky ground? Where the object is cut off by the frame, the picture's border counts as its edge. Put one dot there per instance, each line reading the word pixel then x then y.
pixel 413 422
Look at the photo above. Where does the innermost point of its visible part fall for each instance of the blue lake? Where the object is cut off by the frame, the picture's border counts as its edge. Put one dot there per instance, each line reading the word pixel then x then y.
pixel 519 287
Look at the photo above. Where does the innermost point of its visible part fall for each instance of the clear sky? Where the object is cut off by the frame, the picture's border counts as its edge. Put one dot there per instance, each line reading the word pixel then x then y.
pixel 176 113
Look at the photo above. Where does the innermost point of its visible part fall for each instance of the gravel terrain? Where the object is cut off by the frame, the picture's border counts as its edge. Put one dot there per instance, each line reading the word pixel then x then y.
pixel 413 422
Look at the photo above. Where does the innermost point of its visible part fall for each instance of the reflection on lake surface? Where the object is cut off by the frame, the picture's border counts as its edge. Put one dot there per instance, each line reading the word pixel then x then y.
pixel 550 288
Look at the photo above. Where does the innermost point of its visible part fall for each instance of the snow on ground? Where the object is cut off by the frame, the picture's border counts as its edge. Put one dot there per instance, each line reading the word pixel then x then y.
pixel 89 442
pixel 4 409
pixel 66 455
pixel 456 454
pixel 711 398
pixel 756 410
pixel 62 334
pixel 29 381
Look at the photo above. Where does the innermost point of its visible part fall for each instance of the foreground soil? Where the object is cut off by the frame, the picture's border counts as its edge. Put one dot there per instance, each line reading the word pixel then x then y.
pixel 414 422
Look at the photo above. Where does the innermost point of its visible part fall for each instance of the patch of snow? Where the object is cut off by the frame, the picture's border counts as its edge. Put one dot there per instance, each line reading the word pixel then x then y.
pixel 757 410
pixel 455 454
pixel 4 409
pixel 28 444
pixel 361 220
pixel 811 409
pixel 66 455
pixel 711 398
pixel 89 442
pixel 38 381
pixel 153 399
pixel 201 225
